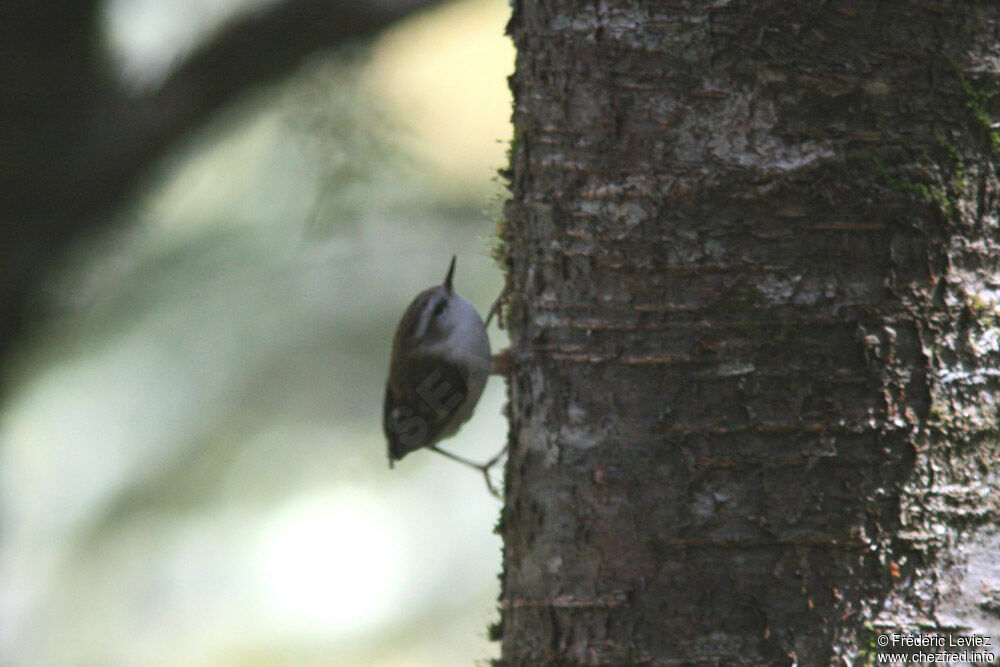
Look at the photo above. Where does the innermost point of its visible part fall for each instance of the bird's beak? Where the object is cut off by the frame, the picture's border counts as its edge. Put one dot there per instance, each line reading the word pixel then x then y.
pixel 451 272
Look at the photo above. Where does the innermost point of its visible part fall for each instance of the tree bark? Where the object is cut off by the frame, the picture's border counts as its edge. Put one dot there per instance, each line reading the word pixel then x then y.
pixel 755 303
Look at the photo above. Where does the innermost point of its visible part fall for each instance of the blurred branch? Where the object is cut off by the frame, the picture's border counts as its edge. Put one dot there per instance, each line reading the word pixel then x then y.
pixel 75 144
pixel 259 49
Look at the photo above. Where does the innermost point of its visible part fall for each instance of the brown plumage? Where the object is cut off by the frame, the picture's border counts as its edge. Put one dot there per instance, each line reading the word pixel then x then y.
pixel 440 361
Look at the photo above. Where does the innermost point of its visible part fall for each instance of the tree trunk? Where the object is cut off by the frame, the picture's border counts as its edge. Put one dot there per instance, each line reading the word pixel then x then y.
pixel 756 309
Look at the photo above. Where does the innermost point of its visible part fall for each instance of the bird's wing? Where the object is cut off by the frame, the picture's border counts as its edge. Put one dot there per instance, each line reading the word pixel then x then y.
pixel 416 411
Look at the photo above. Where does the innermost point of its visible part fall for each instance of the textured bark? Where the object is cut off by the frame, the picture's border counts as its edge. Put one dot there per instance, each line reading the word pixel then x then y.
pixel 756 307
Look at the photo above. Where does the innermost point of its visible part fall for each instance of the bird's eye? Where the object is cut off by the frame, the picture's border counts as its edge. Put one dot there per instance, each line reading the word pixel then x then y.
pixel 439 308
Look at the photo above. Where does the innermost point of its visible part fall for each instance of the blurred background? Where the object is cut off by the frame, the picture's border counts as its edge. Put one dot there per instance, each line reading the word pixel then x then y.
pixel 192 469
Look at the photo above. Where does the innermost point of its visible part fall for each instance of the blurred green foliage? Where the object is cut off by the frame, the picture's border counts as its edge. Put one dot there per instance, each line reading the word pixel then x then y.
pixel 192 465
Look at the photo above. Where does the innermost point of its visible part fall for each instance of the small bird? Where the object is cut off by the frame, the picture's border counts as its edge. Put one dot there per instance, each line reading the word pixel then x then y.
pixel 440 362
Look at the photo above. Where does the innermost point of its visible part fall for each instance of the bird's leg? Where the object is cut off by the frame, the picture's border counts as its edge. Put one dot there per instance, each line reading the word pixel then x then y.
pixel 497 307
pixel 503 363
pixel 483 468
